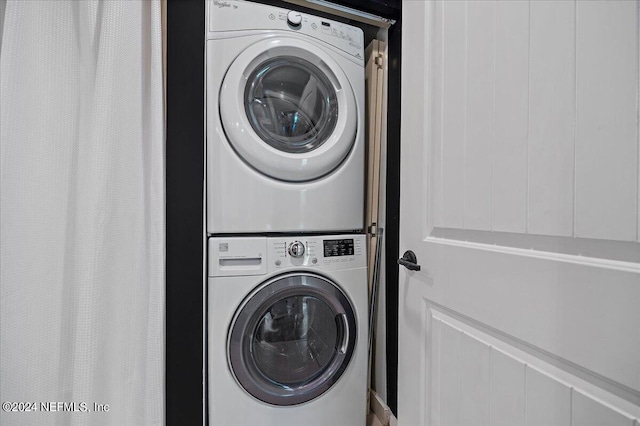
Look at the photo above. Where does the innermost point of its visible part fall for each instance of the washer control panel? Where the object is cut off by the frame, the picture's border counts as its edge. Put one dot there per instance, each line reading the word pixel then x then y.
pixel 324 252
pixel 245 256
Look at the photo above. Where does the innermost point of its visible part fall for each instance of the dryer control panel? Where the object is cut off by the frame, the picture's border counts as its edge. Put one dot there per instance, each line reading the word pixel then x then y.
pixel 238 16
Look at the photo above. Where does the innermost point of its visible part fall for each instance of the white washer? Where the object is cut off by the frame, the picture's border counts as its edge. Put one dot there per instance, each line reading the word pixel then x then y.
pixel 287 330
pixel 285 121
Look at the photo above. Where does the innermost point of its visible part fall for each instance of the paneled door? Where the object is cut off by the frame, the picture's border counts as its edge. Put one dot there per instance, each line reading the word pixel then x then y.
pixel 519 197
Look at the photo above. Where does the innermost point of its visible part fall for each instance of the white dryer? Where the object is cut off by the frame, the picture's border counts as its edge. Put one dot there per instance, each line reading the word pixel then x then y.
pixel 285 121
pixel 287 330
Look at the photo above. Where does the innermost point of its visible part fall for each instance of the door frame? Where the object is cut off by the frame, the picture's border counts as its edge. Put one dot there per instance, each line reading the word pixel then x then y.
pixel 392 210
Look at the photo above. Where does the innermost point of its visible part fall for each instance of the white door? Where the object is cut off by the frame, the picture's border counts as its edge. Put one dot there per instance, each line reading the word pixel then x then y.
pixel 519 197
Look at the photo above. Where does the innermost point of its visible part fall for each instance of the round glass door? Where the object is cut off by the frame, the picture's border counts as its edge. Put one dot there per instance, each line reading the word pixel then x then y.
pixel 292 339
pixel 291 104
pixel 288 110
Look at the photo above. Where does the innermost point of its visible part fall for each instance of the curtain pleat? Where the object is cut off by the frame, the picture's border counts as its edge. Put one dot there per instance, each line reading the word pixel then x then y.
pixel 82 212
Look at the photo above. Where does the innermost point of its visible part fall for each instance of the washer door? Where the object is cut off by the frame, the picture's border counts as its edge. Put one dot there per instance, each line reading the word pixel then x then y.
pixel 288 109
pixel 292 339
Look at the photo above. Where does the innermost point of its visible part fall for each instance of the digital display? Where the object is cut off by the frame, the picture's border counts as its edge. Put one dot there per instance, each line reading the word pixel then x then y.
pixel 338 247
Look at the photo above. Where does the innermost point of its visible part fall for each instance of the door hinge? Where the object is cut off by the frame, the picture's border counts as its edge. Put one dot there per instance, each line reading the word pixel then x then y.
pixel 379 61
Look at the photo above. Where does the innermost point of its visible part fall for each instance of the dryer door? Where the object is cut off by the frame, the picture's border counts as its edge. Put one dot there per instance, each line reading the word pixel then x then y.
pixel 288 109
pixel 292 339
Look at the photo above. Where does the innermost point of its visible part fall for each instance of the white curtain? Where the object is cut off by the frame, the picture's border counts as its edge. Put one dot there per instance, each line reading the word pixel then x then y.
pixel 82 212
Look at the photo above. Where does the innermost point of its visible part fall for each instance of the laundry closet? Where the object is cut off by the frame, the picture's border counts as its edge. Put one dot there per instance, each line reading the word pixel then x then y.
pixel 470 167
pixel 288 256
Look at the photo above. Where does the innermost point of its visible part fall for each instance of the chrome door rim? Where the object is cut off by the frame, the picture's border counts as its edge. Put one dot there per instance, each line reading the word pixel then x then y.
pixel 241 332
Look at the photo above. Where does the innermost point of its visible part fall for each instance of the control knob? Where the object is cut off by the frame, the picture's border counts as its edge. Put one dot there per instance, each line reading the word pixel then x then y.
pixel 296 249
pixel 294 18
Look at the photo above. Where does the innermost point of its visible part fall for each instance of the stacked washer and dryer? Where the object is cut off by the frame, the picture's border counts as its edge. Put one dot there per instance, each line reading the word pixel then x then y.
pixel 287 287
